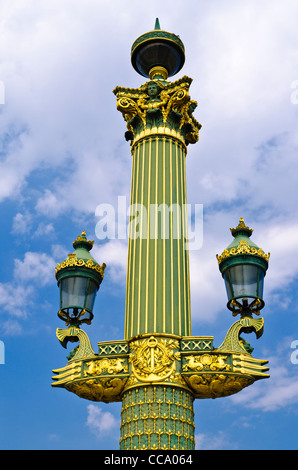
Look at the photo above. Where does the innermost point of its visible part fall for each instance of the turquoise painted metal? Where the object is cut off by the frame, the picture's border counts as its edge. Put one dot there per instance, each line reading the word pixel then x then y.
pixel 159 368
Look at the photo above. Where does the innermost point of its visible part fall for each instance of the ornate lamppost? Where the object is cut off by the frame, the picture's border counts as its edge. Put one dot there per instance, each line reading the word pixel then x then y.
pixel 158 369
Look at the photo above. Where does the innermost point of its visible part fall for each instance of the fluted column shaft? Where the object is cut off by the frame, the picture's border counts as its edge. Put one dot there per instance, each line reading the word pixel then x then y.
pixel 158 295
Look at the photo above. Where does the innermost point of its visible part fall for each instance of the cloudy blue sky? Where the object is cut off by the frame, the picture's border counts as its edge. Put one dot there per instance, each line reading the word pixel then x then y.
pixel 63 152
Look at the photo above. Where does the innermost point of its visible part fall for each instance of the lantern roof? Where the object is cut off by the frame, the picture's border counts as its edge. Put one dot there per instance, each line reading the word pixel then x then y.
pixel 242 244
pixel 81 259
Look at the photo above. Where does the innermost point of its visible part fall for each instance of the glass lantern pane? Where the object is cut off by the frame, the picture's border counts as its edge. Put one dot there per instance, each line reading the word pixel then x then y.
pixel 244 280
pixel 228 284
pixel 73 291
pixel 91 294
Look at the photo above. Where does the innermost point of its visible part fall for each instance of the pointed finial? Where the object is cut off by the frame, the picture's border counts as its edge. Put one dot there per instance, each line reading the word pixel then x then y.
pixel 82 241
pixel 157 25
pixel 241 228
pixel 146 52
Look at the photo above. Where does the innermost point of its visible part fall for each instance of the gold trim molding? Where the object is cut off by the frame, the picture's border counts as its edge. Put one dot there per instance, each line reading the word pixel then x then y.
pixel 158 70
pixel 242 249
pixel 159 132
pixel 72 260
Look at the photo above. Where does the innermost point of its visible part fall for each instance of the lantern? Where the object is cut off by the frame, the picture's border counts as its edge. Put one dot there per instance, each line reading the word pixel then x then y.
pixel 79 277
pixel 243 266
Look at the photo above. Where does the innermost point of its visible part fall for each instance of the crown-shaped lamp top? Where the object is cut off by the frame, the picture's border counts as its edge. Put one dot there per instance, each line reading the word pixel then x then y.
pixel 241 229
pixel 81 261
pixel 157 53
pixel 82 242
pixel 242 245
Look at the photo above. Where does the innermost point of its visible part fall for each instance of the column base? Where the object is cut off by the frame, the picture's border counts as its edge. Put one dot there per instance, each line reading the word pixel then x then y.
pixel 157 417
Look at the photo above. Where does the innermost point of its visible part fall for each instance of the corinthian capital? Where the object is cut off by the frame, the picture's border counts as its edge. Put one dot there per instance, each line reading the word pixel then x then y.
pixel 159 104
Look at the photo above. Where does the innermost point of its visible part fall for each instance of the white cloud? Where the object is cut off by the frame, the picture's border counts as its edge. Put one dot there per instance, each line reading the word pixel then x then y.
pixel 16 298
pixel 280 391
pixel 59 252
pixel 60 114
pixel 114 254
pixel 205 278
pixel 44 229
pixel 11 328
pixel 36 267
pixel 49 204
pixel 101 423
pixel 218 441
pixel 46 79
pixel 19 295
pixel 277 237
pixel 22 223
pixel 282 243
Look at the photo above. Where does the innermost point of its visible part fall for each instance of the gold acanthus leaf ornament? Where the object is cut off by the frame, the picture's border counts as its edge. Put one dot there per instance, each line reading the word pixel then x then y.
pixel 72 260
pixel 244 249
pixel 145 103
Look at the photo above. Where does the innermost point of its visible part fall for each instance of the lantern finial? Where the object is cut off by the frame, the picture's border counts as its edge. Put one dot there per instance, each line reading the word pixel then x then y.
pixel 79 277
pixel 243 266
pixel 241 227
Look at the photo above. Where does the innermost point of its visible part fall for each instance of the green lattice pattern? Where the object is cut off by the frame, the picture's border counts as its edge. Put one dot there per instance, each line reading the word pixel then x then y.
pixel 157 417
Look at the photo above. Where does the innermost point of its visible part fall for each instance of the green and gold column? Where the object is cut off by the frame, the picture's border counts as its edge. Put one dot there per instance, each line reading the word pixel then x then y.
pixel 158 369
pixel 157 411
pixel 157 417
pixel 157 298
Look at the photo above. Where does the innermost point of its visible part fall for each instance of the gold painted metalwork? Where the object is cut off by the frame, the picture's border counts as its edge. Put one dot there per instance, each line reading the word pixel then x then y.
pixel 241 225
pixel 72 260
pixel 239 309
pixel 170 97
pixel 242 249
pixel 111 366
pixel 248 365
pixel 86 374
pixel 105 389
pixel 158 132
pixel 217 385
pixel 74 334
pixel 206 362
pixel 82 238
pixel 158 70
pixel 67 374
pixel 165 360
pixel 153 359
pixel 243 362
pixel 232 344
